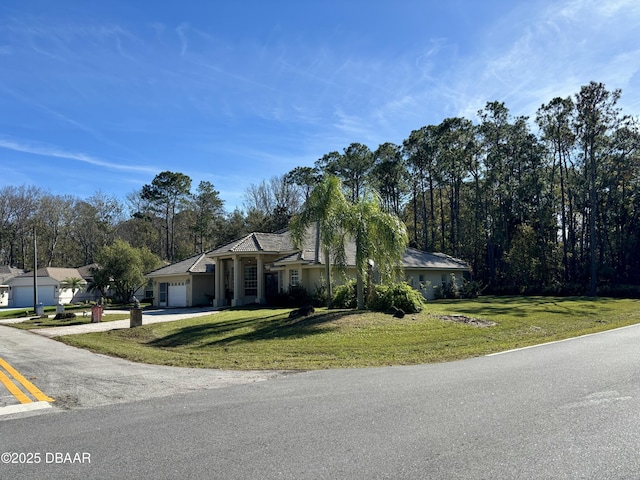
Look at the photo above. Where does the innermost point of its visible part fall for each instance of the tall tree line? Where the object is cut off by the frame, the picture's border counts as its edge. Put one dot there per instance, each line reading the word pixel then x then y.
pixel 549 205
pixel 543 204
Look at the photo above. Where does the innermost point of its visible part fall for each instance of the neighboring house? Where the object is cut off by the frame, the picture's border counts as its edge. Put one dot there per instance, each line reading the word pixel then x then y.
pixel 6 273
pixel 426 271
pixel 49 290
pixel 259 265
pixel 183 284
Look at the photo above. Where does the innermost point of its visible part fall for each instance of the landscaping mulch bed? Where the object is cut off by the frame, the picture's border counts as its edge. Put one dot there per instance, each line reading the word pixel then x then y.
pixel 475 322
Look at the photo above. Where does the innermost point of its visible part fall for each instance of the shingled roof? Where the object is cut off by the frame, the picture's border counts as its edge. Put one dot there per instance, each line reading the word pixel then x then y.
pixel 197 264
pixel 258 242
pixel 281 243
pixel 57 273
pixel 413 258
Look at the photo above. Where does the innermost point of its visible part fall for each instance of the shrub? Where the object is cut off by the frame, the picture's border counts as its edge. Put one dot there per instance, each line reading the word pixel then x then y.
pixel 64 316
pixel 319 297
pixel 378 300
pixel 451 288
pixel 471 288
pixel 344 296
pixel 294 297
pixel 619 291
pixel 401 295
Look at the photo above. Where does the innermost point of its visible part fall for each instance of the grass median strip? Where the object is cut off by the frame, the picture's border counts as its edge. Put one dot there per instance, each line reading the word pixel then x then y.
pixel 263 338
pixel 36 323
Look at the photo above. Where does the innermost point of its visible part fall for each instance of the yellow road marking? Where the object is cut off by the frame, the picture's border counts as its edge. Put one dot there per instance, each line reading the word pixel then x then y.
pixel 13 389
pixel 32 389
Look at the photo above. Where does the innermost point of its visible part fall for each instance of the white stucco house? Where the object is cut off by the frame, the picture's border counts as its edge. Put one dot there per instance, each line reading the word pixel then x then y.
pixel 50 290
pixel 253 268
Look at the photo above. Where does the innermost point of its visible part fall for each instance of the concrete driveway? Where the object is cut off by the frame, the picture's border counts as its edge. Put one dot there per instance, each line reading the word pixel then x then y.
pixel 148 316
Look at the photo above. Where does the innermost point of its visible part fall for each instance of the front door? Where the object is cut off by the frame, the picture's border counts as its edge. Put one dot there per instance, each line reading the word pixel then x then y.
pixel 270 285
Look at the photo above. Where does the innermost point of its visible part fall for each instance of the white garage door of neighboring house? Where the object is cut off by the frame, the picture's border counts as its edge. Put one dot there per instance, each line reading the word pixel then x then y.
pixel 177 294
pixel 23 296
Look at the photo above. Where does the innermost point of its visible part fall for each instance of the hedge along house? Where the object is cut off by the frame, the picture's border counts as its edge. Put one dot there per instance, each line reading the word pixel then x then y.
pixel 50 290
pixel 187 283
pixel 260 265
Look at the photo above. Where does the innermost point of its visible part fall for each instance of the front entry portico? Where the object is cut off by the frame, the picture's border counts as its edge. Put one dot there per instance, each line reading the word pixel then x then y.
pixel 239 280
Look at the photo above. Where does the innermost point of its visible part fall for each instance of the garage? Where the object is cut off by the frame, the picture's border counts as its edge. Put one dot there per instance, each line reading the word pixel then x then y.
pixel 22 296
pixel 177 294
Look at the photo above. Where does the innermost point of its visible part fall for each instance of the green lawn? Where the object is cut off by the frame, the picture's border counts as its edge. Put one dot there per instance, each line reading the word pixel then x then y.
pixel 255 338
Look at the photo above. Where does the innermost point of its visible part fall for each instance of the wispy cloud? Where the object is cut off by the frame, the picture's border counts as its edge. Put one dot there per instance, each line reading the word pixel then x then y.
pixel 536 53
pixel 54 152
pixel 182 34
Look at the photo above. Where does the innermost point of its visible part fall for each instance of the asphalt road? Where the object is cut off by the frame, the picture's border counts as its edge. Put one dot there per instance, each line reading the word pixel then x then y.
pixel 77 378
pixel 561 411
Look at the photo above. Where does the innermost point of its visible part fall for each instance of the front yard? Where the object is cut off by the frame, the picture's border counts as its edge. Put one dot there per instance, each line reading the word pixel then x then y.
pixel 262 338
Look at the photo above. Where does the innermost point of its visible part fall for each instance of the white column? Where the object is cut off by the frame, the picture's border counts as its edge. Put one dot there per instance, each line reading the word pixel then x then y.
pixel 219 301
pixel 261 296
pixel 237 282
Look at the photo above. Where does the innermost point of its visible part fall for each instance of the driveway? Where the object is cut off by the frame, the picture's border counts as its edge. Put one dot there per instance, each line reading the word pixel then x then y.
pixel 77 378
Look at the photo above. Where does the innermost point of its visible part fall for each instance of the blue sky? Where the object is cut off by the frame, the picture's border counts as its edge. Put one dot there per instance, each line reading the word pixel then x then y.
pixel 102 96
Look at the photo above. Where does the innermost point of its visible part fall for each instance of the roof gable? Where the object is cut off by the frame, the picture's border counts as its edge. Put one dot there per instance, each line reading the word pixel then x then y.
pixel 257 242
pixel 196 264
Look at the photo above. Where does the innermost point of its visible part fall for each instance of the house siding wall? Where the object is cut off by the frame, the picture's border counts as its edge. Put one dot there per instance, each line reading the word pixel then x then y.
pixel 424 280
pixel 313 279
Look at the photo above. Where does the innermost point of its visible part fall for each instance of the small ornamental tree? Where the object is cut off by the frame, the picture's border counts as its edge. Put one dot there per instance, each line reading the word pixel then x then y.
pixel 125 267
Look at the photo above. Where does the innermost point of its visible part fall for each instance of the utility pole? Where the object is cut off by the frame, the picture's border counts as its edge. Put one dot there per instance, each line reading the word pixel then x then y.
pixel 35 272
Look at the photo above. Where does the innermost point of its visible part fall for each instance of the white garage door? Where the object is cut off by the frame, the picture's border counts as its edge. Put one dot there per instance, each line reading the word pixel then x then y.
pixel 177 294
pixel 23 296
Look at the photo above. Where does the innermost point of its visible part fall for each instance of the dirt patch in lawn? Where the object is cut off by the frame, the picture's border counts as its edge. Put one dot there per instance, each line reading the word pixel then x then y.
pixel 475 322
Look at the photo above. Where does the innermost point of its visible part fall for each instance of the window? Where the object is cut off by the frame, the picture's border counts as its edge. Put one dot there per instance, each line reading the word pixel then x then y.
pixel 148 289
pixel 163 292
pixel 294 278
pixel 250 280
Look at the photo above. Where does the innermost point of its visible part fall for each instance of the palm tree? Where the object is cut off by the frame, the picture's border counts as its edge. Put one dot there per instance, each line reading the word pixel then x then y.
pixel 74 284
pixel 326 206
pixel 100 283
pixel 379 237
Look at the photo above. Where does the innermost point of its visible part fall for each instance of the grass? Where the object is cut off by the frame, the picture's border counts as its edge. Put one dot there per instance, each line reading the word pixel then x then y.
pixel 28 312
pixel 254 338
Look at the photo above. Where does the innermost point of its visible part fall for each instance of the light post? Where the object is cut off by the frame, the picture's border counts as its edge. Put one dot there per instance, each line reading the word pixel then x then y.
pixel 35 273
